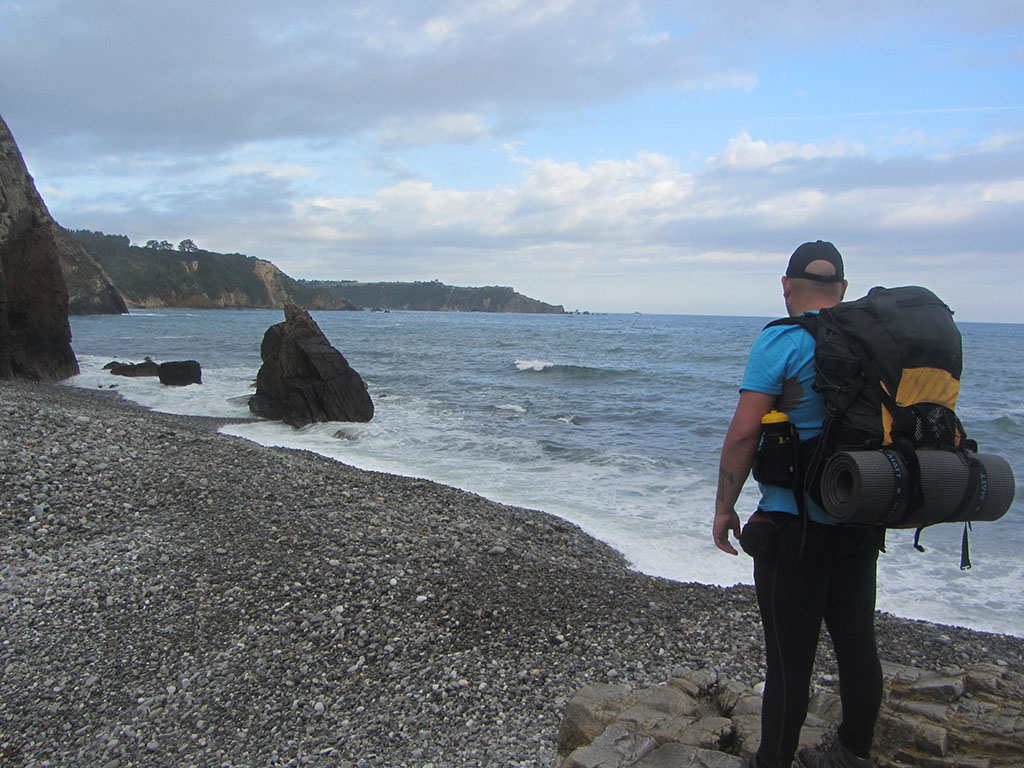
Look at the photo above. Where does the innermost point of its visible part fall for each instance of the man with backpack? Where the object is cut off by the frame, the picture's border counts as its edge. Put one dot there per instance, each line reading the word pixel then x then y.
pixel 807 569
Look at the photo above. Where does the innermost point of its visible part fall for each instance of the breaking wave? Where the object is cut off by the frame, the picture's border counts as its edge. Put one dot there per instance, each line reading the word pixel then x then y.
pixel 582 372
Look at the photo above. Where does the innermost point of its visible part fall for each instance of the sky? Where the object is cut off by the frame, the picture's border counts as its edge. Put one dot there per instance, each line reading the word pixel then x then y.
pixel 653 156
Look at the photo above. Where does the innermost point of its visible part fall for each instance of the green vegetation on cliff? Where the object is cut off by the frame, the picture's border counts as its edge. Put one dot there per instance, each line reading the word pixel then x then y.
pixel 434 296
pixel 160 275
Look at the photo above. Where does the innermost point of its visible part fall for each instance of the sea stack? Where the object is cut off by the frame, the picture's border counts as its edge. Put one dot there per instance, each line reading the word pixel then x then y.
pixel 35 336
pixel 304 379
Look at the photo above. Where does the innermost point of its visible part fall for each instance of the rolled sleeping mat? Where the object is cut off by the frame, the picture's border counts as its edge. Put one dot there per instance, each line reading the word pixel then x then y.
pixel 871 487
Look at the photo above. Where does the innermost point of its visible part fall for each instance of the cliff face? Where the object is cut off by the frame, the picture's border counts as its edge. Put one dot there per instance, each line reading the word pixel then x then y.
pixel 153 277
pixel 35 337
pixel 274 280
pixel 163 277
pixel 90 290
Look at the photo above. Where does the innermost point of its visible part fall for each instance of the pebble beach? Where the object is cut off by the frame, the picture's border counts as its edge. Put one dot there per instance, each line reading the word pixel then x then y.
pixel 171 596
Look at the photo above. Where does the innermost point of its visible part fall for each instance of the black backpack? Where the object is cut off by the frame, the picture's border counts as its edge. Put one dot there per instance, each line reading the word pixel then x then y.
pixel 888 366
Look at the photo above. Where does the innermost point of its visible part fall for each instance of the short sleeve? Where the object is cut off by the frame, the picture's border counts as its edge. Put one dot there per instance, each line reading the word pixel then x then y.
pixel 771 360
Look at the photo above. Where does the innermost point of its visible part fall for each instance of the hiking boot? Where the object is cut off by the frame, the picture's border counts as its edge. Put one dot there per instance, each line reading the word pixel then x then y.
pixel 835 755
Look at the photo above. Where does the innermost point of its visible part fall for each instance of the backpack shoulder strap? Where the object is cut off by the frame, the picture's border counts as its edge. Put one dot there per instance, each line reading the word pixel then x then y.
pixel 808 322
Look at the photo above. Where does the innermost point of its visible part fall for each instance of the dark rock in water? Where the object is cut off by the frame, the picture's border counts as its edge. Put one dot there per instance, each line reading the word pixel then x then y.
pixel 35 337
pixel 145 368
pixel 181 373
pixel 304 379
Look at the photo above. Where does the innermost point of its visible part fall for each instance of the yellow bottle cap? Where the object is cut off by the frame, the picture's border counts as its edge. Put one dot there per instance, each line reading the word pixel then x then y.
pixel 774 417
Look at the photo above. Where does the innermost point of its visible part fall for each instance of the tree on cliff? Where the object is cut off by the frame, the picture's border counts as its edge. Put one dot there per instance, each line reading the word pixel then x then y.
pixel 187 246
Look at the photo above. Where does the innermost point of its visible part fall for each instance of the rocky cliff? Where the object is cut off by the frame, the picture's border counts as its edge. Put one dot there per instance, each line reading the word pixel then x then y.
pixel 35 337
pixel 90 289
pixel 435 296
pixel 159 276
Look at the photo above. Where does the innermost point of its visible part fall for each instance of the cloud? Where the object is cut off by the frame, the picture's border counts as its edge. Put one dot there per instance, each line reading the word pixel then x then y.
pixel 630 148
pixel 1004 192
pixel 464 128
pixel 557 204
pixel 205 75
pixel 647 213
pixel 753 201
pixel 273 170
pixel 743 152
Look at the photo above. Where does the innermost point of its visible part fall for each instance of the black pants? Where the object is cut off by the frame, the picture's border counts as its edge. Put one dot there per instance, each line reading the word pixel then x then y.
pixel 831 577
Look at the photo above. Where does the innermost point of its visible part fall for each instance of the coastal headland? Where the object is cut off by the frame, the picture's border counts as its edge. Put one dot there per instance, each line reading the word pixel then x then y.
pixel 173 596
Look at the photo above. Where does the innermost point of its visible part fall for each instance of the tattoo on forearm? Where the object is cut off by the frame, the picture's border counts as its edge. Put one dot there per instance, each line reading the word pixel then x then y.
pixel 726 480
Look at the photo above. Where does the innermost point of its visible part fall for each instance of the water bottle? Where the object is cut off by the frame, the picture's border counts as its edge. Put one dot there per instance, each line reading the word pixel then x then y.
pixel 776 457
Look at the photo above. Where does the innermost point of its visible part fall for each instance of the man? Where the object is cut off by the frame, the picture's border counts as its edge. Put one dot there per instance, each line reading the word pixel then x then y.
pixel 804 571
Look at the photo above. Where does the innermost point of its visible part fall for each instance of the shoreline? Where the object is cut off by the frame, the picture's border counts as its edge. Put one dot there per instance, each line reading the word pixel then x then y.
pixel 175 596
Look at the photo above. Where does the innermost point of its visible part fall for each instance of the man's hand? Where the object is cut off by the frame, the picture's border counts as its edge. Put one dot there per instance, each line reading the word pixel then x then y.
pixel 726 521
pixel 737 457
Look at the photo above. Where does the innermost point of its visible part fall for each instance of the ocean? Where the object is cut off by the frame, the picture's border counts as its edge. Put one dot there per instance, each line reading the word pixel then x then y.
pixel 614 422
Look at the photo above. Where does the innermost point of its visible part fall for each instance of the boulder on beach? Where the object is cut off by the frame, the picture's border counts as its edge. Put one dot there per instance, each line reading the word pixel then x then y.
pixel 304 379
pixel 35 336
pixel 180 373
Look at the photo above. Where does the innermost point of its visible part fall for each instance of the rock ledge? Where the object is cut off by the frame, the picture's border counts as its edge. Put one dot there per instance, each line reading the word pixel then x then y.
pixel 956 718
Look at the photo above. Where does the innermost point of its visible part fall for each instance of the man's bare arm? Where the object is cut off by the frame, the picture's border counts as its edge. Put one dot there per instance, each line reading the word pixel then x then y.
pixel 738 450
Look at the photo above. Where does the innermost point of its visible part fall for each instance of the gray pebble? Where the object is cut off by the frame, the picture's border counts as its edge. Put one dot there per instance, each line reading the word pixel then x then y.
pixel 172 596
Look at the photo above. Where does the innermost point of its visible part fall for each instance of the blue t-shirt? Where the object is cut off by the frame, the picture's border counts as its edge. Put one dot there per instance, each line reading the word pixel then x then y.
pixel 781 363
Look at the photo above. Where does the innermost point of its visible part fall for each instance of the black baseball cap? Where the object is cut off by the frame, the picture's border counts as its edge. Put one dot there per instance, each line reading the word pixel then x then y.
pixel 819 250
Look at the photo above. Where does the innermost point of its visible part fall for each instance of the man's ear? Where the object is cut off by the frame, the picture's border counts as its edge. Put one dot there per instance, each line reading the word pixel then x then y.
pixel 842 294
pixel 785 287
